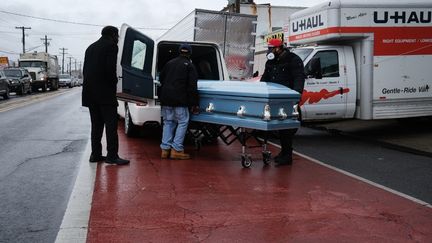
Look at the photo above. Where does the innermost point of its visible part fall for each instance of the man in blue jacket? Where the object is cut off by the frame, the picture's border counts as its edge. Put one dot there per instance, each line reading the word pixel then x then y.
pixel 178 93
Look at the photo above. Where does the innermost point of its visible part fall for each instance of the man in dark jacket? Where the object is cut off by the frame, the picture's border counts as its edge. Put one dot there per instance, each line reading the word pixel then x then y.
pixel 286 68
pixel 178 93
pixel 99 95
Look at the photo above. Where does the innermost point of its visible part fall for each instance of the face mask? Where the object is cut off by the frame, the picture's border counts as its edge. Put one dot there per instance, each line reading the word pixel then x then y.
pixel 270 56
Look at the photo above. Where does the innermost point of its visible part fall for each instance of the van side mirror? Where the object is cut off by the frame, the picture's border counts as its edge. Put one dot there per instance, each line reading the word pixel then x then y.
pixel 314 70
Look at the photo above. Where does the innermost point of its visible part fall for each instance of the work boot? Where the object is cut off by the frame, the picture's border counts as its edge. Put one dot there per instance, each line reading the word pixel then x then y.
pixel 179 154
pixel 165 153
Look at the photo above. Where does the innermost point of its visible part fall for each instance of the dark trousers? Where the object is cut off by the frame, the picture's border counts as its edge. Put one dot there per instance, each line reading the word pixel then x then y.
pixel 104 116
pixel 286 139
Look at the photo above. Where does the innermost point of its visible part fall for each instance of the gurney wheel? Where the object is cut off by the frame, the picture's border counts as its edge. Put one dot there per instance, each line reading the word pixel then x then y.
pixel 246 161
pixel 198 145
pixel 266 157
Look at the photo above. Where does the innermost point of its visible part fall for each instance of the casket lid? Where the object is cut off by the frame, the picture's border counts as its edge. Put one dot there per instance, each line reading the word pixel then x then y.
pixel 246 89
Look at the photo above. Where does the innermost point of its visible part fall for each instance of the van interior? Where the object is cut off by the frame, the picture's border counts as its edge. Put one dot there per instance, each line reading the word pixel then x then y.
pixel 203 56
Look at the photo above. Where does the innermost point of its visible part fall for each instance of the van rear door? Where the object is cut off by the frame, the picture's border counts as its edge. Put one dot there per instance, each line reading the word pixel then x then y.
pixel 134 66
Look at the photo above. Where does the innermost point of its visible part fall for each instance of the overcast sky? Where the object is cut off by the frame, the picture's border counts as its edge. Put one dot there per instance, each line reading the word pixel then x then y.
pixel 154 17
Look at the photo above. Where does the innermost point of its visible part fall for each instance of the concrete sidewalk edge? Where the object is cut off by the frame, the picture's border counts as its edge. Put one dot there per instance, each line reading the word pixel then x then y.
pixel 74 226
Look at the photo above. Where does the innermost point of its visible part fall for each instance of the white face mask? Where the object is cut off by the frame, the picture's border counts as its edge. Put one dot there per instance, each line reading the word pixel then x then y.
pixel 270 56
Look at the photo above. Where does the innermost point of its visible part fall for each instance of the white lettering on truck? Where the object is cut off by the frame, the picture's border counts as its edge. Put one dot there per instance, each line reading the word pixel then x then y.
pixel 307 23
pixel 422 17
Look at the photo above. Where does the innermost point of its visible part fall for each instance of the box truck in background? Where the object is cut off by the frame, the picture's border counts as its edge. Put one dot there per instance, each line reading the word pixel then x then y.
pixel 43 68
pixel 364 59
pixel 233 32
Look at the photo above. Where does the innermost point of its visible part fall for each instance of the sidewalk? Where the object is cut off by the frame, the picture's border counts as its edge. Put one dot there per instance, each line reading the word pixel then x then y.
pixel 211 198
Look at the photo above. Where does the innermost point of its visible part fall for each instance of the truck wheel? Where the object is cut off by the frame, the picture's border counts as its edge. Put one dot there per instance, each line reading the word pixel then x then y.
pixel 44 87
pixel 54 85
pixel 130 128
pixel 6 95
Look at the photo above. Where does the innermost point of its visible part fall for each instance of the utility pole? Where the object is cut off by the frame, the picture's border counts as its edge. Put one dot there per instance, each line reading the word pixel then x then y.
pixel 46 43
pixel 63 53
pixel 23 35
pixel 75 66
pixel 80 70
pixel 70 66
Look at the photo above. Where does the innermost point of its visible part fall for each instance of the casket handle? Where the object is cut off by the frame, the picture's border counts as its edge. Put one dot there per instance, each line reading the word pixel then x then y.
pixel 267 113
pixel 282 114
pixel 295 113
pixel 210 108
pixel 241 111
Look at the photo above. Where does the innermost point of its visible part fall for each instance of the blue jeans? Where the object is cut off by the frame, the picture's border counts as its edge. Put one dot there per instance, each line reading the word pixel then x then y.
pixel 173 117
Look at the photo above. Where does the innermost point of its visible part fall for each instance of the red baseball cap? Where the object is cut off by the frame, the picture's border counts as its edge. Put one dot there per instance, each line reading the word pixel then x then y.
pixel 274 42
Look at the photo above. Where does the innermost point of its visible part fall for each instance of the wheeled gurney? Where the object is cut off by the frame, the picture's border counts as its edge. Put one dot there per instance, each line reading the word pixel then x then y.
pixel 229 109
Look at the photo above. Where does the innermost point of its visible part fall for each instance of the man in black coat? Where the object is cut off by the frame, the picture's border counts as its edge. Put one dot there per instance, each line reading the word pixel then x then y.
pixel 178 93
pixel 99 95
pixel 286 68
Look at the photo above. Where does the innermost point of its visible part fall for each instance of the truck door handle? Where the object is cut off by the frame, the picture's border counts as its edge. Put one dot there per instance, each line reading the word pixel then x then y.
pixel 341 90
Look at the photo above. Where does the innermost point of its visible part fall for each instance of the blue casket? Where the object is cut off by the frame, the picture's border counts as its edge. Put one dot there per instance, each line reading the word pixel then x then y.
pixel 256 105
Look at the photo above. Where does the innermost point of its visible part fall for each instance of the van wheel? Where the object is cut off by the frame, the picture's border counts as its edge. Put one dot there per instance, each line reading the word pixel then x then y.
pixel 130 128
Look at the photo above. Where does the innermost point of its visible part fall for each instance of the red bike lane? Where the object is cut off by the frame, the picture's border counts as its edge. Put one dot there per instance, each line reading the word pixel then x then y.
pixel 212 198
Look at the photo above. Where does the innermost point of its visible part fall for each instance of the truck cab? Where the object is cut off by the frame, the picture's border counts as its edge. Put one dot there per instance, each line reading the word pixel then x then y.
pixel 139 62
pixel 330 85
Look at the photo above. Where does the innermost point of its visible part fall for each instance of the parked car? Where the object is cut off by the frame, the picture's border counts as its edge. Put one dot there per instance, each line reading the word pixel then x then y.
pixel 19 80
pixel 4 86
pixel 65 80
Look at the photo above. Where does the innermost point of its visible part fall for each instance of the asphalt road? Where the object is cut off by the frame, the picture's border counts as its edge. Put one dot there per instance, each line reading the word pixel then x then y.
pixel 41 146
pixel 401 171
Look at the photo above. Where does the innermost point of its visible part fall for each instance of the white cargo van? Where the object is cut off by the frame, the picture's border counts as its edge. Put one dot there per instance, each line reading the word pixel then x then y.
pixel 139 63
pixel 365 59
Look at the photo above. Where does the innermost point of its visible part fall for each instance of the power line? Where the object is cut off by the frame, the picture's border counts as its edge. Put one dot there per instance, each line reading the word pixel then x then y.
pixel 70 22
pixel 9 52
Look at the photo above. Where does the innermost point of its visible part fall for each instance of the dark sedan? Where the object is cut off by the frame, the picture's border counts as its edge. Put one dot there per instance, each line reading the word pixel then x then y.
pixel 19 80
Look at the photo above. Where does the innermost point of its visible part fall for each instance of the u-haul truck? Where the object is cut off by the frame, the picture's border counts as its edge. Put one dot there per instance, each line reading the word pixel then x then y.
pixel 365 59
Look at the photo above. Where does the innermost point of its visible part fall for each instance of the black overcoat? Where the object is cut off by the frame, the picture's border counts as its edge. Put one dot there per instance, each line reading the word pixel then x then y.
pixel 99 71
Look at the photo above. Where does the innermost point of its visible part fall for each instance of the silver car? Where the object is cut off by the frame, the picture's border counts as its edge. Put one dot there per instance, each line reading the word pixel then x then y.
pixel 65 80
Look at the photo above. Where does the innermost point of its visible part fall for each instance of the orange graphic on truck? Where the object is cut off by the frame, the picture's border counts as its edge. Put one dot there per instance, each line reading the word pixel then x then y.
pixel 315 97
